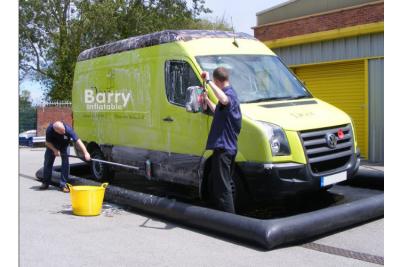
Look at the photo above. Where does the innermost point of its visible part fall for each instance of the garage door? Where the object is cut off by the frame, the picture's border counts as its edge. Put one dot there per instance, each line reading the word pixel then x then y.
pixel 342 85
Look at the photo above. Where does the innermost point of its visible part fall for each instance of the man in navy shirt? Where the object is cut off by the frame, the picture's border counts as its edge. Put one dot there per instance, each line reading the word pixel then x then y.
pixel 223 136
pixel 58 137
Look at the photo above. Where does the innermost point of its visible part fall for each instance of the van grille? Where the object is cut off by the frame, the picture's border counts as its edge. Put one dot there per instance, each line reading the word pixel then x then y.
pixel 323 158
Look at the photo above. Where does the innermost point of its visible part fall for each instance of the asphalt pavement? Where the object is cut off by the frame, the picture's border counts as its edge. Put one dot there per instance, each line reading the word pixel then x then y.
pixel 50 235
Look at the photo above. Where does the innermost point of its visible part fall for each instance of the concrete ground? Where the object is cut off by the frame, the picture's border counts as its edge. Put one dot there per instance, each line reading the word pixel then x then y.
pixel 51 236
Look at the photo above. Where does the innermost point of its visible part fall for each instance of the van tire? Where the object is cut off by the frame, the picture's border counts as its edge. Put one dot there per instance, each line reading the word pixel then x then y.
pixel 241 197
pixel 100 171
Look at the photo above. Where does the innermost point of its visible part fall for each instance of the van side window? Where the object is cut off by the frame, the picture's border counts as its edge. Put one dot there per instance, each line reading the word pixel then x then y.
pixel 179 76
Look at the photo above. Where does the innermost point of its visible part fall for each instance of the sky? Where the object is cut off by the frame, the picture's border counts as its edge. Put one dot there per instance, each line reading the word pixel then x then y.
pixel 243 18
pixel 243 14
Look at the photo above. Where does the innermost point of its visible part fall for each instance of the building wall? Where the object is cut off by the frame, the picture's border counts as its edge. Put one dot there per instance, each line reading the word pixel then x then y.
pixel 376 109
pixel 298 8
pixel 46 115
pixel 371 13
pixel 364 46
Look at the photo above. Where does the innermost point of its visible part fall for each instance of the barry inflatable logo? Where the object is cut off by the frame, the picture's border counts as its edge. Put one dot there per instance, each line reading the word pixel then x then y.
pixel 117 100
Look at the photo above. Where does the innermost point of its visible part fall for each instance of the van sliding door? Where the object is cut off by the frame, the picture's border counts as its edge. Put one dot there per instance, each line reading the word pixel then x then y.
pixel 185 133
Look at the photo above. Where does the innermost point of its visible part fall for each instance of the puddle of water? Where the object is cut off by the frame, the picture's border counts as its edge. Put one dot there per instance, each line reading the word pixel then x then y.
pixel 111 210
pixel 108 210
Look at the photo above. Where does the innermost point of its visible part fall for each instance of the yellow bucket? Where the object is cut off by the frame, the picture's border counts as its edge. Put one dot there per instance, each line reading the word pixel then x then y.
pixel 87 200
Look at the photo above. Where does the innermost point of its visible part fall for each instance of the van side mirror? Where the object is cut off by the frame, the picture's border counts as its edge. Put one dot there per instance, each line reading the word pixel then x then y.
pixel 194 99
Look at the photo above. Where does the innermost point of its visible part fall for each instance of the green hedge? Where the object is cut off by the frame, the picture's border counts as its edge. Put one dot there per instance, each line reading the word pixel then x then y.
pixel 27 119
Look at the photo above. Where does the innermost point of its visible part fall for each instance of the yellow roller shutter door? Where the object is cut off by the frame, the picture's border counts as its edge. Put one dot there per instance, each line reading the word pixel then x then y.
pixel 342 85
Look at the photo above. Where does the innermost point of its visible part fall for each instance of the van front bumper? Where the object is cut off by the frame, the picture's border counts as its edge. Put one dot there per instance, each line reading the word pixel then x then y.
pixel 281 179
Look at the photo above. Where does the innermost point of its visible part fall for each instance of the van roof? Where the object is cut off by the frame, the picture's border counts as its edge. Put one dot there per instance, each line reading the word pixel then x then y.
pixel 156 38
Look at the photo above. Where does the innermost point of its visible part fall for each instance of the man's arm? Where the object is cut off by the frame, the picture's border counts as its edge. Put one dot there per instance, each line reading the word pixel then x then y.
pixel 221 96
pixel 53 148
pixel 210 104
pixel 78 141
pixel 48 143
pixel 83 149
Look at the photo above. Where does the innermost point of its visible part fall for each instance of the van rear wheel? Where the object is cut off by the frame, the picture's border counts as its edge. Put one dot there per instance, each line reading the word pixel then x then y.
pixel 100 171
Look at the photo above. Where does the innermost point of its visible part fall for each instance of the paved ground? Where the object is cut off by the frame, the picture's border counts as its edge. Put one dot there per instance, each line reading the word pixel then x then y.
pixel 51 236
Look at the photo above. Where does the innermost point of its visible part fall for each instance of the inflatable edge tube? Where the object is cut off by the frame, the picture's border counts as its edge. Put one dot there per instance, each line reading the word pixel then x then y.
pixel 266 233
pixel 316 223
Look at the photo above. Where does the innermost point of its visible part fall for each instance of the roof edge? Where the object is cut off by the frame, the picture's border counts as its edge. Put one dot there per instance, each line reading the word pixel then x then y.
pixel 157 38
pixel 327 35
pixel 275 7
pixel 318 14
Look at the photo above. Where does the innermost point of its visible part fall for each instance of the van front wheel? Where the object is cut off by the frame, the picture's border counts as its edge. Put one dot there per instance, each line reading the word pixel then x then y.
pixel 239 193
pixel 100 171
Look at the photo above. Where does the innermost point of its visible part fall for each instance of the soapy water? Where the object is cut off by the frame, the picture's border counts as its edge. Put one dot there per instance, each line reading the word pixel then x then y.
pixel 108 210
pixel 269 209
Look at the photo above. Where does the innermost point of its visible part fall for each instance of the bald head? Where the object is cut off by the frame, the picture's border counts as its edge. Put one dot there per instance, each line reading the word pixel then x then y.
pixel 58 126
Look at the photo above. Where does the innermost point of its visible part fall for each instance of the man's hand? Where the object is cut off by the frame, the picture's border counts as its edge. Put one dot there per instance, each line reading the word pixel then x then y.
pixel 83 149
pixel 205 75
pixel 221 96
pixel 56 153
pixel 87 156
pixel 210 104
pixel 205 100
pixel 205 95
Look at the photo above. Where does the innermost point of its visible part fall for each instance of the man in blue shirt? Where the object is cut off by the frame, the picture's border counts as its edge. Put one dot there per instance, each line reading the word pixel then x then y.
pixel 223 136
pixel 58 137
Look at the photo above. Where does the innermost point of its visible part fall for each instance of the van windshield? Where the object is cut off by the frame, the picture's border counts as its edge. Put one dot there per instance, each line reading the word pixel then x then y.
pixel 257 78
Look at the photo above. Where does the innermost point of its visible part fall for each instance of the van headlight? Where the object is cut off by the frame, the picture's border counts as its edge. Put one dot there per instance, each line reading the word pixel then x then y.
pixel 277 139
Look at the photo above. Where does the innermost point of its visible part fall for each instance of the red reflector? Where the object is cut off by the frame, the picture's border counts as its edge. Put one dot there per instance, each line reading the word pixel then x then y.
pixel 340 134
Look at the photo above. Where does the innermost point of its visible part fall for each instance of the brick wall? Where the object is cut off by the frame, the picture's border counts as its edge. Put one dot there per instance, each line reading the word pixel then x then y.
pixel 45 115
pixel 324 22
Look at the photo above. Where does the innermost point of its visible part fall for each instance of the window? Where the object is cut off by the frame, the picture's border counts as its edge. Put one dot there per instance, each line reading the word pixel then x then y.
pixel 178 77
pixel 257 78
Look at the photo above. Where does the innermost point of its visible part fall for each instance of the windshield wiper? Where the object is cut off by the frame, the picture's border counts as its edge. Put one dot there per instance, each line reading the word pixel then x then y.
pixel 299 97
pixel 267 99
pixel 276 98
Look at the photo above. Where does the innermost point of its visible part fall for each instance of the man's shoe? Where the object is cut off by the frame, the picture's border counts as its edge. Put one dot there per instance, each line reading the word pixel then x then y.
pixel 44 186
pixel 65 189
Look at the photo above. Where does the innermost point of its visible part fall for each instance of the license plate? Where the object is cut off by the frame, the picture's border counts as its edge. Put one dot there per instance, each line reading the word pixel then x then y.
pixel 333 179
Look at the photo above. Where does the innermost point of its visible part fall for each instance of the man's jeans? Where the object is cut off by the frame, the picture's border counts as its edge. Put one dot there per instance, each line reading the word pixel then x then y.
pixel 222 165
pixel 48 165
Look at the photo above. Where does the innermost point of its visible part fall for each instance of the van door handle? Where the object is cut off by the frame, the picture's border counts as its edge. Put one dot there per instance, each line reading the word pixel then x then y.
pixel 168 119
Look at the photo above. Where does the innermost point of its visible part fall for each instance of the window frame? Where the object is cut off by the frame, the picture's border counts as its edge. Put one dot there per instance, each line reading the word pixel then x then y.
pixel 166 78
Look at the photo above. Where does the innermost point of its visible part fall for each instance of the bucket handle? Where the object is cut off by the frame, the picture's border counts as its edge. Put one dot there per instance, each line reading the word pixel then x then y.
pixel 69 186
pixel 104 185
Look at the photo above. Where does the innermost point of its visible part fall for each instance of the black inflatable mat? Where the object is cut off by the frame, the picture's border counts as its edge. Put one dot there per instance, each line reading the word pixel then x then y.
pixel 359 205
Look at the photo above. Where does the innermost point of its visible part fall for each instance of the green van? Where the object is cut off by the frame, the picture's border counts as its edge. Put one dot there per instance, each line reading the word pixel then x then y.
pixel 130 106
